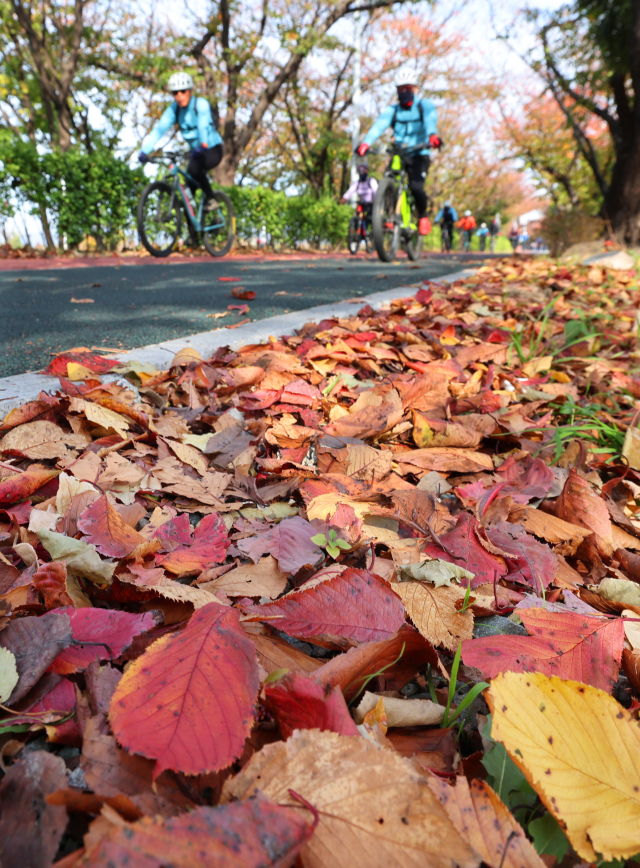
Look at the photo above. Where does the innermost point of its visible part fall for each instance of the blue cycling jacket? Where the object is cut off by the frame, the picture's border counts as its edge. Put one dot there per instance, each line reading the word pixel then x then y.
pixel 408 128
pixel 482 231
pixel 454 214
pixel 195 122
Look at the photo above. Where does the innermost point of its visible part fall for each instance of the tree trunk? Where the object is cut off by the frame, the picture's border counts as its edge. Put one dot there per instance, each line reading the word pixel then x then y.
pixel 622 203
pixel 46 228
pixel 225 172
pixel 64 128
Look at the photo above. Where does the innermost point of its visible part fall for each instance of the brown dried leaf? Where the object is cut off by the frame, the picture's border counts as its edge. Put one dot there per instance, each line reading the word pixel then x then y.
pixel 432 611
pixel 486 823
pixel 264 579
pixel 31 829
pixel 375 809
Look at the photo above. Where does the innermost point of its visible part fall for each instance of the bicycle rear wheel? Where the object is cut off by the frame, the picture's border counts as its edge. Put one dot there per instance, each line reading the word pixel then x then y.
pixel 159 219
pixel 353 236
pixel 219 226
pixel 386 231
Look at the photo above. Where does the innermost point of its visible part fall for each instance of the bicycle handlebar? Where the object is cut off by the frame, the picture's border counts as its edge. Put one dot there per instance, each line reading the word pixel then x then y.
pixel 168 155
pixel 395 149
pixel 400 149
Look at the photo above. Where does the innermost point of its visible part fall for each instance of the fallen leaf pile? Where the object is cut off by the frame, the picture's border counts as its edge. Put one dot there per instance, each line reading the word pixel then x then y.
pixel 249 604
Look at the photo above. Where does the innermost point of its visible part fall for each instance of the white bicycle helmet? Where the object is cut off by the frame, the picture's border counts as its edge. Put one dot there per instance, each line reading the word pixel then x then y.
pixel 467 213
pixel 404 78
pixel 447 204
pixel 180 81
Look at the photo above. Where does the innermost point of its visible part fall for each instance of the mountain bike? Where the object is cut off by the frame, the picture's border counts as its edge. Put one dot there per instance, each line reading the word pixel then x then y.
pixel 359 231
pixel 161 206
pixel 395 216
pixel 446 231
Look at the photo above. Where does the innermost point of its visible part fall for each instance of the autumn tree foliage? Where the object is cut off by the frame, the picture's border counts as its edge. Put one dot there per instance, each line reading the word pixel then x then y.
pixel 588 57
pixel 539 135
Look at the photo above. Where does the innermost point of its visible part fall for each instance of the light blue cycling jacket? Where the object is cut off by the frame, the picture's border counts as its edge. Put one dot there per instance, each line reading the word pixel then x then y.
pixel 454 214
pixel 408 129
pixel 195 122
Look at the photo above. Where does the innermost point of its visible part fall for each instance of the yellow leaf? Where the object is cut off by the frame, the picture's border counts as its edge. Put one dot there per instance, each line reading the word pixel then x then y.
pixel 536 365
pixel 422 431
pixel 78 372
pixel 580 751
pixel 631 448
pixel 8 674
pixel 325 505
pixel 102 416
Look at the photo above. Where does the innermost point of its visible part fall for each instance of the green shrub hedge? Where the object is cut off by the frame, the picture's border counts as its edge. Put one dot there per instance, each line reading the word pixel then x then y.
pixel 85 194
pixel 289 221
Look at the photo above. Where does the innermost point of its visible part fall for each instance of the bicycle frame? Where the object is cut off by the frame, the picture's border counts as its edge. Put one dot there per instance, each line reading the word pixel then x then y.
pixel 403 206
pixel 195 219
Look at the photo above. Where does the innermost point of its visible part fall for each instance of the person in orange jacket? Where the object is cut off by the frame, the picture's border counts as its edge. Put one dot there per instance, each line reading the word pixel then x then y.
pixel 466 225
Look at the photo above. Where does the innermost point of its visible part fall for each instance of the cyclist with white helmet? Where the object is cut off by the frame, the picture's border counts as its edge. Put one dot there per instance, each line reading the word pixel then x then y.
pixel 192 114
pixel 413 121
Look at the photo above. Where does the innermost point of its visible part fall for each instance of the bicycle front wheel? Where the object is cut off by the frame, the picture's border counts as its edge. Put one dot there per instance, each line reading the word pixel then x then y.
pixel 219 226
pixel 386 231
pixel 159 218
pixel 412 239
pixel 353 236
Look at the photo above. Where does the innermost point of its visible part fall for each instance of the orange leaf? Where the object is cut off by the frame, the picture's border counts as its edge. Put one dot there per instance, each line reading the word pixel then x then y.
pixel 51 580
pixel 579 504
pixel 21 485
pixel 107 531
pixel 187 702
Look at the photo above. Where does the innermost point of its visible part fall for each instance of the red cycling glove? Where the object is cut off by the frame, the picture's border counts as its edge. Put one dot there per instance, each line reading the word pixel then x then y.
pixel 435 141
pixel 362 149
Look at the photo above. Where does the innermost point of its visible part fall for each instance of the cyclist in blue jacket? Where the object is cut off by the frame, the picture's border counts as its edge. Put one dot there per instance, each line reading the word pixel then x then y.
pixel 413 121
pixel 447 218
pixel 192 114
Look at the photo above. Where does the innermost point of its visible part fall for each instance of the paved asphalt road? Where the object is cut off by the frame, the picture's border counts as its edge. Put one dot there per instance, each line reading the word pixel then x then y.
pixel 144 304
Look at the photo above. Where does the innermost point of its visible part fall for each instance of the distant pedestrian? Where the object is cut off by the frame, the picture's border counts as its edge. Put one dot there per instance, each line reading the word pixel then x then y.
pixel 524 239
pixel 513 236
pixel 482 235
pixel 494 230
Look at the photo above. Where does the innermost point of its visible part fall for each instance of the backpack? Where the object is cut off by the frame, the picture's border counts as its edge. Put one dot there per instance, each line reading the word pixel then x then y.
pixel 215 115
pixel 395 116
pixel 447 216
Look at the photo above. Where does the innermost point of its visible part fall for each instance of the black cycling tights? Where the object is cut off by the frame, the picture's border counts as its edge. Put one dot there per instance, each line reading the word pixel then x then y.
pixel 417 170
pixel 200 164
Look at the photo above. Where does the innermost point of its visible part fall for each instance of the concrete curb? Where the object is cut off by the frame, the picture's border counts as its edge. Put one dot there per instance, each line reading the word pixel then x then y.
pixel 17 390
